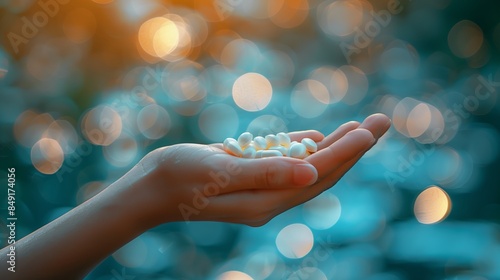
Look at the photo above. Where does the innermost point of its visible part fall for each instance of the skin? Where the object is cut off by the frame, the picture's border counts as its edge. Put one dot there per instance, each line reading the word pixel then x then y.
pixel 254 192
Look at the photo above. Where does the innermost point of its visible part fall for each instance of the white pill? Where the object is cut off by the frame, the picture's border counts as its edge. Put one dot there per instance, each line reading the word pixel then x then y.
pixel 298 151
pixel 227 140
pixel 311 146
pixel 258 154
pixel 249 152
pixel 271 153
pixel 281 149
pixel 245 139
pixel 232 147
pixel 272 140
pixel 284 139
pixel 259 143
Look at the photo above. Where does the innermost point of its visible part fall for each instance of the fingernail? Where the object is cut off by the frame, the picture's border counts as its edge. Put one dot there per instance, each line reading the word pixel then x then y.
pixel 304 174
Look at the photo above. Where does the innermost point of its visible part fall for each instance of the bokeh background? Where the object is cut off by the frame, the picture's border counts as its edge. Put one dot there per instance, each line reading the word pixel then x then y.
pixel 89 87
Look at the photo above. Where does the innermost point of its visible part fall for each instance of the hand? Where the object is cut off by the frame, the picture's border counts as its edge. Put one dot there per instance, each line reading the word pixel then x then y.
pixel 202 182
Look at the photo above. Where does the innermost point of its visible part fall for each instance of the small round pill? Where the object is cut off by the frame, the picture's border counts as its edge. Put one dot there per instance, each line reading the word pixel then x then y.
pixel 281 149
pixel 245 139
pixel 227 140
pixel 260 143
pixel 311 146
pixel 298 151
pixel 272 140
pixel 232 147
pixel 249 152
pixel 284 139
pixel 271 153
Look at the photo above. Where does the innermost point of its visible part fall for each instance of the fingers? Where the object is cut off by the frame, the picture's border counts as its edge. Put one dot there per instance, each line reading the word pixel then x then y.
pixel 316 136
pixel 332 157
pixel 269 173
pixel 377 124
pixel 337 134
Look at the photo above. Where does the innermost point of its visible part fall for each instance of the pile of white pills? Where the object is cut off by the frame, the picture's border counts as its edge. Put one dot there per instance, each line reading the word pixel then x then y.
pixel 270 146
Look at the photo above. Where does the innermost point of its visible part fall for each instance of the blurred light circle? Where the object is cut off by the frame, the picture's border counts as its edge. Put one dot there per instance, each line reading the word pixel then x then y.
pixel 262 264
pixel 267 124
pixel 102 125
pixel 308 273
pixel 64 133
pixel 252 92
pixel 288 14
pixel 432 205
pixel 219 40
pixel 419 120
pixel 234 275
pixel 295 241
pixel 323 211
pixel 218 121
pixel 165 38
pixel 358 84
pixel 400 60
pixel 241 54
pixel 122 151
pixel 79 25
pixel 309 98
pixel 47 156
pixel 334 80
pixel 465 38
pixel 30 126
pixel 153 121
pixel 340 18
pixel 400 114
pixel 198 27
pixel 436 127
pixel 182 80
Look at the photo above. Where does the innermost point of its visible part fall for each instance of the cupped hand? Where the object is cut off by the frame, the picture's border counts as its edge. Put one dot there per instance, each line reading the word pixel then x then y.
pixel 202 182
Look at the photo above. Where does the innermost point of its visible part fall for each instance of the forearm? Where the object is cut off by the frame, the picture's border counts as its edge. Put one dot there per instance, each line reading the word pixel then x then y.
pixel 72 245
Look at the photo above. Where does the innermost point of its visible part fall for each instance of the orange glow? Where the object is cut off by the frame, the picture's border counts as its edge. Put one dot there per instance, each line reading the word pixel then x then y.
pixel 418 120
pixel 432 206
pixel 252 92
pixel 47 156
pixel 158 36
pixel 79 25
pixel 103 1
pixel 465 38
pixel 234 275
pixel 335 81
pixel 288 14
pixel 102 125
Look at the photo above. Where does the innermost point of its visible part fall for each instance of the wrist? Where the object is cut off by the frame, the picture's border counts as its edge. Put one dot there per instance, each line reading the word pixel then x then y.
pixel 144 192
